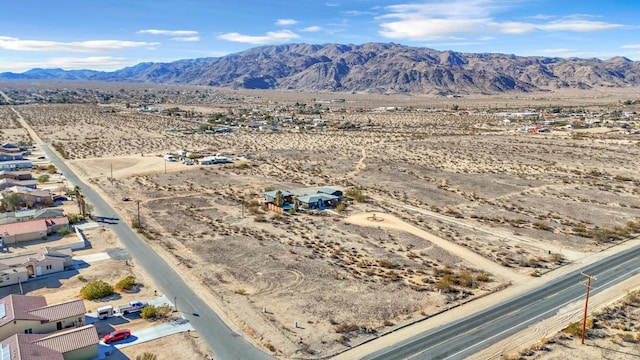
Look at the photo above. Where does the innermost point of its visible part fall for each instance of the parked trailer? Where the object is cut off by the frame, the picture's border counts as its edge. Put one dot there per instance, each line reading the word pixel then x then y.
pixel 105 312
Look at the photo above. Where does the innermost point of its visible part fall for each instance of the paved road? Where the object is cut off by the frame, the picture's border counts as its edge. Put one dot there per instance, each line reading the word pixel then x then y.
pixel 6 98
pixel 219 337
pixel 471 334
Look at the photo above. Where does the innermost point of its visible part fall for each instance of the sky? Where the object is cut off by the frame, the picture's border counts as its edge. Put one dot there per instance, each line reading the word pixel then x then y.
pixel 112 34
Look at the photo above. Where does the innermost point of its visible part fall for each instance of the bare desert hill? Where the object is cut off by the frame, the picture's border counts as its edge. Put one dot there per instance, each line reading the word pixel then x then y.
pixel 384 68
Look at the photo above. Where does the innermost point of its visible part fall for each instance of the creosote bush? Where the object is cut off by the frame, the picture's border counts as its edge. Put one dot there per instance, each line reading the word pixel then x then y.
pixel 96 290
pixel 155 312
pixel 127 283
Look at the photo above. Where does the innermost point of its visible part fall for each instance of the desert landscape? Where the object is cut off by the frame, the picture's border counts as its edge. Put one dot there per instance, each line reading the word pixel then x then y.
pixel 446 202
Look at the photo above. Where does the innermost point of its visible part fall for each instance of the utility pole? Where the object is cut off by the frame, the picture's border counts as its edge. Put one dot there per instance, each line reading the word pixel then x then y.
pixel 586 303
pixel 111 178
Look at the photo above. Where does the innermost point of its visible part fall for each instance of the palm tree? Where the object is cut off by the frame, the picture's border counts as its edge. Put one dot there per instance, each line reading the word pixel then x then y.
pixel 146 356
pixel 279 200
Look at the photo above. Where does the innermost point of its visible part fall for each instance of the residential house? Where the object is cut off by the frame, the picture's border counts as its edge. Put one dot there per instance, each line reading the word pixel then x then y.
pixel 19 267
pixel 330 191
pixel 270 196
pixel 73 344
pixel 15 175
pixel 33 197
pixel 11 149
pixel 312 198
pixel 13 165
pixel 21 314
pixel 318 201
pixel 8 157
pixel 8 183
pixel 31 214
pixel 23 231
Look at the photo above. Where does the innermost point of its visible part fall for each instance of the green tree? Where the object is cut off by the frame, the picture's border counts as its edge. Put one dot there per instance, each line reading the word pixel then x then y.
pixel 51 169
pixel 11 201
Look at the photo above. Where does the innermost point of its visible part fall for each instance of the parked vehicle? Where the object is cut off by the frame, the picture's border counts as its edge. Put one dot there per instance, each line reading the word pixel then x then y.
pixel 133 306
pixel 104 312
pixel 116 335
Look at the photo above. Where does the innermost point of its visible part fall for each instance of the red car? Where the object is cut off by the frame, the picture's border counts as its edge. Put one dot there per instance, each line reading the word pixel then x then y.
pixel 116 336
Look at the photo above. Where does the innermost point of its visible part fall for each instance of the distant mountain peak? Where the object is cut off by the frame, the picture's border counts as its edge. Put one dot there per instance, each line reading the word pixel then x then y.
pixel 370 67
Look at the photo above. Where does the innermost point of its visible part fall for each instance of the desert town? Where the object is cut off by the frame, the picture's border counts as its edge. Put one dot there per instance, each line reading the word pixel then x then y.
pixel 312 224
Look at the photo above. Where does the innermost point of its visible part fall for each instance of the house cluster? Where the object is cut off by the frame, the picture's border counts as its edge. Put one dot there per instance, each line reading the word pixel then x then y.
pixel 28 225
pixel 12 158
pixel 305 198
pixel 16 178
pixel 32 329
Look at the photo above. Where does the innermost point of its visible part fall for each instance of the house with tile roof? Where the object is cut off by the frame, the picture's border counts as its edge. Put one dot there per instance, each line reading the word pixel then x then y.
pixel 74 344
pixel 19 267
pixel 21 314
pixel 37 229
pixel 32 197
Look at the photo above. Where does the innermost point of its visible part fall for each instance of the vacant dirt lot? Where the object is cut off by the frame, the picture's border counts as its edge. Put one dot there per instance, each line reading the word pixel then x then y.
pixel 451 183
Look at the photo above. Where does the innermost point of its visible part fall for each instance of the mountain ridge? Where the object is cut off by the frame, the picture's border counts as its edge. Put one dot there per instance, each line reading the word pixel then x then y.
pixel 369 67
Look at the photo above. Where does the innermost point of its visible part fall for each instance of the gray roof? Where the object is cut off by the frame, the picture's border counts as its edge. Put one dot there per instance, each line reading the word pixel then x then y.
pixel 272 194
pixel 328 190
pixel 307 199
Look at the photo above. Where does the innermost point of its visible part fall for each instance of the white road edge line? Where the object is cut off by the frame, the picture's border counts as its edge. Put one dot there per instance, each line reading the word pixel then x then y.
pixel 534 318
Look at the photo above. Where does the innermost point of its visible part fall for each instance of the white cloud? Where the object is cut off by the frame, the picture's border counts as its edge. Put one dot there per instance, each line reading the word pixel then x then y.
pixel 312 29
pixel 557 51
pixel 514 28
pixel 9 43
pixel 463 18
pixel 68 63
pixel 180 33
pixel 428 29
pixel 357 13
pixel 579 26
pixel 269 37
pixel 186 39
pixel 631 46
pixel 286 22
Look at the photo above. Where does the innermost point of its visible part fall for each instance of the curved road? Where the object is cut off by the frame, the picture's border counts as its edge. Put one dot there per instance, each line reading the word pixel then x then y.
pixel 224 343
pixel 473 333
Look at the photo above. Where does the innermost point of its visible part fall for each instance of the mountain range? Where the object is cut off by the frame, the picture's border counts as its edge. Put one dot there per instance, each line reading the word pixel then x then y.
pixel 370 67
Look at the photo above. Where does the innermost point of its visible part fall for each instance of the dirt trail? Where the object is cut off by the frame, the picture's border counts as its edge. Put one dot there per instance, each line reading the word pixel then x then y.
pixel 477 261
pixel 543 246
pixel 360 166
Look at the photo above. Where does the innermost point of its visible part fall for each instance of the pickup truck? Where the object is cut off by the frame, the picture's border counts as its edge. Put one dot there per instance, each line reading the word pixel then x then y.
pixel 133 306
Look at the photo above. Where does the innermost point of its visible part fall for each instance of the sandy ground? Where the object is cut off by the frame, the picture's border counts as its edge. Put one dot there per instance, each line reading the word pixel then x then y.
pixel 444 197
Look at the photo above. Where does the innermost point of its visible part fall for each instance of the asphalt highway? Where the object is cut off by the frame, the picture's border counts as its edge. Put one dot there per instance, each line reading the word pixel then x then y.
pixel 224 342
pixel 469 335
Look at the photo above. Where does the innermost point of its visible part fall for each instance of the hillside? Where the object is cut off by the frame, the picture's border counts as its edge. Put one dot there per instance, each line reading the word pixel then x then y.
pixel 371 67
